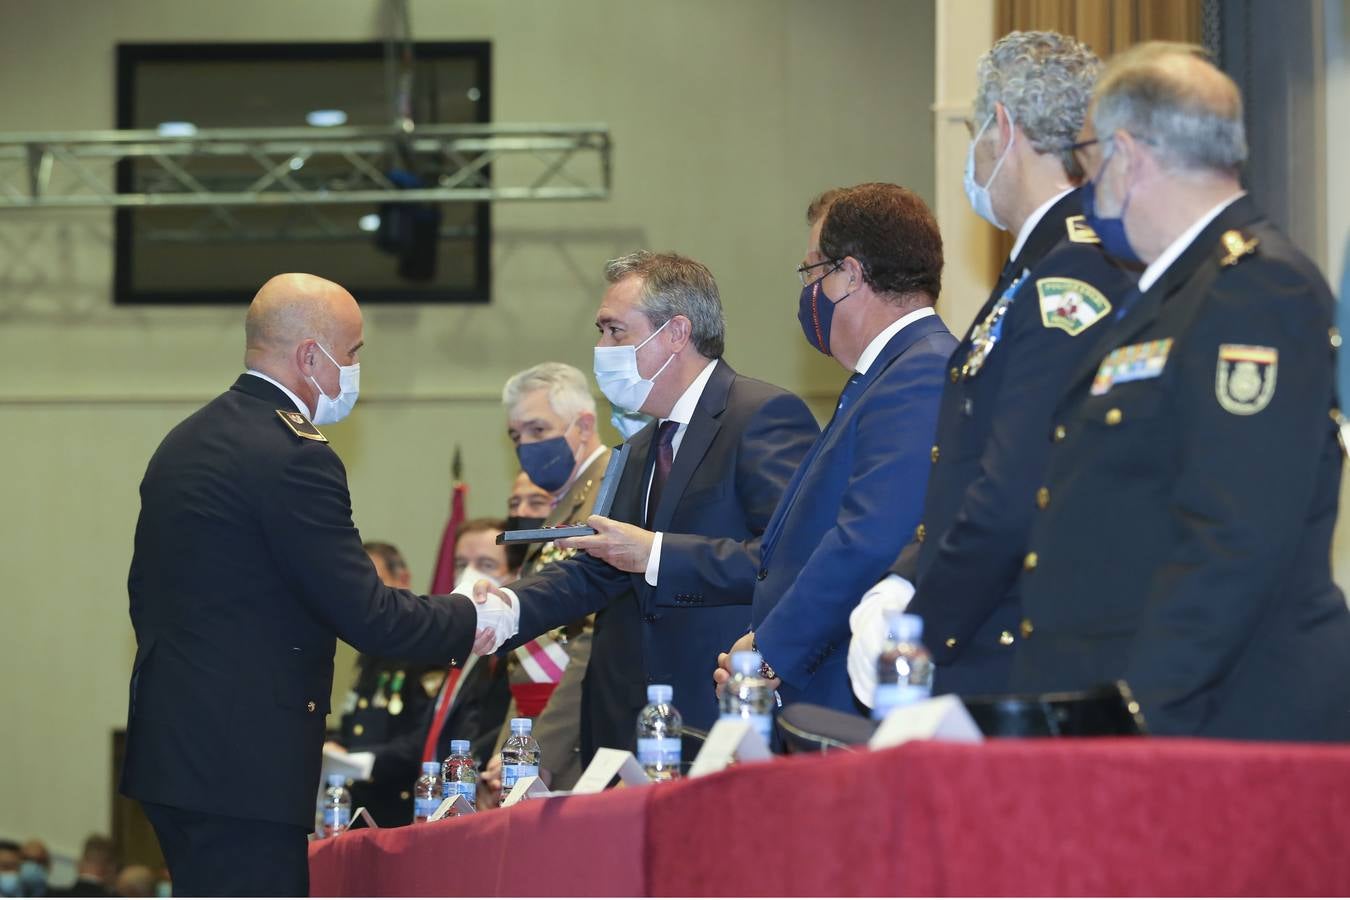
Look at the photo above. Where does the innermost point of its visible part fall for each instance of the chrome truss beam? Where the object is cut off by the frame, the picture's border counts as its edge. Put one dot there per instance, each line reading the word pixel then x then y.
pixel 304 166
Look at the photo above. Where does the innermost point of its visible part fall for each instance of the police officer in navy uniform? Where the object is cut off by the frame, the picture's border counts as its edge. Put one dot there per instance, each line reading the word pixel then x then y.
pixel 246 570
pixel 1183 538
pixel 1041 318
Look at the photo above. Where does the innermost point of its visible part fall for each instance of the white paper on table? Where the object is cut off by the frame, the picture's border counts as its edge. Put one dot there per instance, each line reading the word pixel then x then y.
pixel 528 787
pixel 729 739
pixel 607 763
pixel 457 802
pixel 356 766
pixel 942 718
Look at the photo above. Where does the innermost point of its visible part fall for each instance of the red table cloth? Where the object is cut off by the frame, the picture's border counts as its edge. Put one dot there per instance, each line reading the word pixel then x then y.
pixel 1114 817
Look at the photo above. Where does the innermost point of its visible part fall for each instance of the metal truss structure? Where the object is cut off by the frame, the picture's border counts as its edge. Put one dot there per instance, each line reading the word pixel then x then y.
pixel 268 167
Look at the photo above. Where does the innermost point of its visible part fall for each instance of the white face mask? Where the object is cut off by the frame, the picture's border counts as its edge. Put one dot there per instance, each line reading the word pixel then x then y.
pixel 616 371
pixel 978 194
pixel 329 410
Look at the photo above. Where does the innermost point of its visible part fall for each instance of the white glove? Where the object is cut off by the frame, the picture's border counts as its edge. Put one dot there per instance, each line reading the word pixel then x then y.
pixel 868 624
pixel 493 613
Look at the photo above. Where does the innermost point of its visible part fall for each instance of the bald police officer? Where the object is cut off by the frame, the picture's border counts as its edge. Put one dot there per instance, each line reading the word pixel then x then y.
pixel 1184 531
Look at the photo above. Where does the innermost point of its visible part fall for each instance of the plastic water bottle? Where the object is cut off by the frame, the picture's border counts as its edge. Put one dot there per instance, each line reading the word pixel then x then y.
pixel 520 756
pixel 658 734
pixel 747 695
pixel 459 775
pixel 337 807
pixel 427 792
pixel 904 668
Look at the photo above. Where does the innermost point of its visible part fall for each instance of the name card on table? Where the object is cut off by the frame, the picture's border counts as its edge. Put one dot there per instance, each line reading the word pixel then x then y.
pixel 526 788
pixel 730 740
pixel 457 803
pixel 942 718
pixel 362 814
pixel 607 763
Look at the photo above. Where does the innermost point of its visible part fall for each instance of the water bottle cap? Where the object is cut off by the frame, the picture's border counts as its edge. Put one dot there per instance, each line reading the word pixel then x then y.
pixel 660 693
pixel 521 726
pixel 909 628
pixel 336 780
pixel 745 662
pixel 459 748
pixel 430 767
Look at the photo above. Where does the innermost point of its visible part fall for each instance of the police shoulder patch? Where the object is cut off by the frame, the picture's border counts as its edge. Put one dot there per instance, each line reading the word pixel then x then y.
pixel 1071 305
pixel 302 427
pixel 1079 231
pixel 1244 381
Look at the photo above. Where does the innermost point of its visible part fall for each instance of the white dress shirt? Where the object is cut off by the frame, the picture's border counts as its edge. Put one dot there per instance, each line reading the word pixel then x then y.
pixel 878 343
pixel 681 412
pixel 1165 259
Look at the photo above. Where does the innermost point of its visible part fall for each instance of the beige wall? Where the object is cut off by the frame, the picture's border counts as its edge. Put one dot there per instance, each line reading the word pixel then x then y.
pixel 726 117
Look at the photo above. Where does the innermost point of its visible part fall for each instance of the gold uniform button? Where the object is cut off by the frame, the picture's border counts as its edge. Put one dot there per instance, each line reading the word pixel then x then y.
pixel 950 642
pixel 1043 498
pixel 920 533
pixel 359 730
pixel 453 663
pixel 1060 433
pixel 1030 562
pixel 311 706
pixel 1027 629
pixel 1006 638
pixel 937 451
pixel 955 374
pixel 362 703
pixel 1113 416
pixel 404 795
pixel 1335 336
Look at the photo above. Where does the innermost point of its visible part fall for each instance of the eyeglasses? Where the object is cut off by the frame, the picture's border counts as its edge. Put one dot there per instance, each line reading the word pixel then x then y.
pixel 803 270
pixel 1077 149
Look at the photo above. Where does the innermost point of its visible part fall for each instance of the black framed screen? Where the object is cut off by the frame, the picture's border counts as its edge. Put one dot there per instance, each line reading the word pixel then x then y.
pixel 175 255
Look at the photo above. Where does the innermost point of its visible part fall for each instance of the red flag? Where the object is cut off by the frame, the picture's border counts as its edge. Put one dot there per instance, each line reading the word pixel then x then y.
pixel 443 581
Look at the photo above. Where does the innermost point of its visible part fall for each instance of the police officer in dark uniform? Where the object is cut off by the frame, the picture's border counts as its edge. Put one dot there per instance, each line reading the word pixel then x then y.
pixel 1184 531
pixel 1041 318
pixel 246 570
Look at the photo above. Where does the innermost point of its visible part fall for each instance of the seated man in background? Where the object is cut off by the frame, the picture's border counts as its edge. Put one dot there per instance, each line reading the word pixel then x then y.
pixel 529 506
pixel 871 274
pixel 35 869
pixel 9 870
pixel 466 704
pixel 135 881
pixel 96 869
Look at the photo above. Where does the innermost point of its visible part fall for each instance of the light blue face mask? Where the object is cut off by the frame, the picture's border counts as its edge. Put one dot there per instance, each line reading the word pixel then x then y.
pixel 9 884
pixel 33 877
pixel 628 423
pixel 978 194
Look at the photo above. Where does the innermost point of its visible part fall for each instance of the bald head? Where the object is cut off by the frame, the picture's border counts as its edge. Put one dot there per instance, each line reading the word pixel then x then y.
pixel 1174 99
pixel 294 324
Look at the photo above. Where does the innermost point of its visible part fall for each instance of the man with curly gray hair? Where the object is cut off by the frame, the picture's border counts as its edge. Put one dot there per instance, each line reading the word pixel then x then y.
pixel 1021 171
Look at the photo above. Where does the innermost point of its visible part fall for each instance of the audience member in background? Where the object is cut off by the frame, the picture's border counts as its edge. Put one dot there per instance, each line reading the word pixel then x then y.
pixel 35 869
pixel 95 871
pixel 135 881
pixel 10 885
pixel 390 698
pixel 551 419
pixel 528 507
pixel 870 277
pixel 468 704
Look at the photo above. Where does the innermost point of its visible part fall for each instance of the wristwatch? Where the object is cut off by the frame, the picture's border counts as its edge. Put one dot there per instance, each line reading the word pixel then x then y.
pixel 765 670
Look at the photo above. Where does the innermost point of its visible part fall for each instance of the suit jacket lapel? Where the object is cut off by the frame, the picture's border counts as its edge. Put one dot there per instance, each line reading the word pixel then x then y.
pixel 698 436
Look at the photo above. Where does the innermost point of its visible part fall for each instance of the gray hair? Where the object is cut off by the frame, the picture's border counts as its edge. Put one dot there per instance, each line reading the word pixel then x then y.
pixel 1044 79
pixel 1171 97
pixel 674 285
pixel 568 393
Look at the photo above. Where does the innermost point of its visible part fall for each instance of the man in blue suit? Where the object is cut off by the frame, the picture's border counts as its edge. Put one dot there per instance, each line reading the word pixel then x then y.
pixel 871 275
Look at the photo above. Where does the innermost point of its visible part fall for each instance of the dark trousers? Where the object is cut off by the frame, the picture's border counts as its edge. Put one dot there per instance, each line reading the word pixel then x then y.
pixel 219 856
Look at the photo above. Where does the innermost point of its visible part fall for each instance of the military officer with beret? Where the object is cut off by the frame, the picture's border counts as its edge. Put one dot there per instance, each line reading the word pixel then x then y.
pixel 1183 534
pixel 1044 314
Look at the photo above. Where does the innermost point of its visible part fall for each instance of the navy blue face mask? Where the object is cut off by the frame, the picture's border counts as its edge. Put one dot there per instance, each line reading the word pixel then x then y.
pixel 1111 231
pixel 815 312
pixel 548 463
